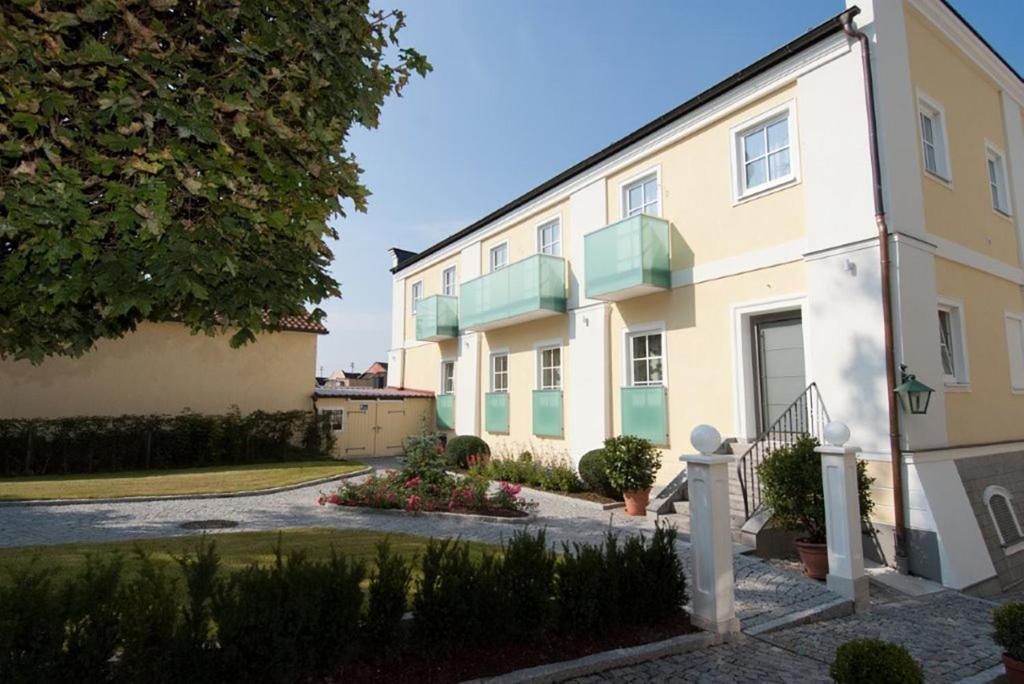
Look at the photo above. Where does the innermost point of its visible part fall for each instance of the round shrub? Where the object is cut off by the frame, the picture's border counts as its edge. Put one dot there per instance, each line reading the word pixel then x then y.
pixel 1008 621
pixel 460 448
pixel 872 660
pixel 594 473
pixel 632 462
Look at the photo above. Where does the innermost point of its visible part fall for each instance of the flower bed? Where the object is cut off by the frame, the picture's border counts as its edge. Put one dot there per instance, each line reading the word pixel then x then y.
pixel 413 493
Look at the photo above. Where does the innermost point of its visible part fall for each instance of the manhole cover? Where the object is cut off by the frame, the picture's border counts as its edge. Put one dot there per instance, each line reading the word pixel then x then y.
pixel 209 524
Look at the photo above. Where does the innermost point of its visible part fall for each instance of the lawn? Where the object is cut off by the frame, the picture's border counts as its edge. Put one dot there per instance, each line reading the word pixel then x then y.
pixel 213 480
pixel 236 550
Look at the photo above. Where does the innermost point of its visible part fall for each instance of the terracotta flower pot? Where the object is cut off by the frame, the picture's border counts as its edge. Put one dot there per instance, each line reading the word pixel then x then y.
pixel 1014 669
pixel 636 501
pixel 814 557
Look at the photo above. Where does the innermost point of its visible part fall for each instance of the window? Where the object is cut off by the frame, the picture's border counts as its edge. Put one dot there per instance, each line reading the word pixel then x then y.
pixel 765 155
pixel 550 368
pixel 448 281
pixel 1004 517
pixel 641 197
pixel 335 418
pixel 952 348
pixel 417 295
pixel 646 365
pixel 499 256
pixel 933 139
pixel 997 181
pixel 549 238
pixel 447 377
pixel 499 373
pixel 1015 344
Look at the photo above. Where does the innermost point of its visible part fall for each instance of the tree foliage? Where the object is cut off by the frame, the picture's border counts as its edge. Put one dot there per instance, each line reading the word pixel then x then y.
pixel 179 159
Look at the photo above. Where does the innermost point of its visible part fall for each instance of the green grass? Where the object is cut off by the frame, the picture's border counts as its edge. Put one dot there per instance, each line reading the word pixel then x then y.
pixel 212 480
pixel 236 550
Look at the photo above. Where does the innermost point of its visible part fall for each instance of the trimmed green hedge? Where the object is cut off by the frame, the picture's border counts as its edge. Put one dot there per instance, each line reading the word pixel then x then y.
pixel 61 446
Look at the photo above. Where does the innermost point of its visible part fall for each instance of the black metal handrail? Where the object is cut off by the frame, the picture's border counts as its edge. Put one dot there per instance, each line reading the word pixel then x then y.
pixel 806 416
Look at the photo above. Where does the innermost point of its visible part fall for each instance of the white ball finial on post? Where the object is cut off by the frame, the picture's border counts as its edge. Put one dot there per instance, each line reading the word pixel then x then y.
pixel 836 434
pixel 705 439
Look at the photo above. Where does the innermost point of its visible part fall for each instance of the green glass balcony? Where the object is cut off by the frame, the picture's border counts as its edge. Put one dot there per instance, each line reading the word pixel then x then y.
pixel 547 413
pixel 496 412
pixel 628 259
pixel 445 411
pixel 437 318
pixel 531 288
pixel 645 413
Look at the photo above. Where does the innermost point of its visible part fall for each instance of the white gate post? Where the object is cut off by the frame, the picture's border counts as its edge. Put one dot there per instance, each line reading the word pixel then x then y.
pixel 712 586
pixel 842 516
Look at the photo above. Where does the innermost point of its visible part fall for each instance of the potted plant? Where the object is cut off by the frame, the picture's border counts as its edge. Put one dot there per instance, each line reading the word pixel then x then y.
pixel 1008 621
pixel 631 464
pixel 792 489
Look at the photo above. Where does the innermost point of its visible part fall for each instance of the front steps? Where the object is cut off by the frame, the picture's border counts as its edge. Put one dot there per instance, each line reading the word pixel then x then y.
pixel 737 516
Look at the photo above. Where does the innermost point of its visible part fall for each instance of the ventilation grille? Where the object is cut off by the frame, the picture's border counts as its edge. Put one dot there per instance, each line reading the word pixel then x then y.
pixel 1006 522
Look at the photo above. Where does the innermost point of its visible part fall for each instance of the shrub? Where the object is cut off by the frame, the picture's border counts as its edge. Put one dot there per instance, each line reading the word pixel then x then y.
pixel 526 580
pixel 582 595
pixel 150 627
pixel 91 622
pixel 56 446
pixel 594 473
pixel 424 459
pixel 793 490
pixel 31 627
pixel 450 595
pixel 631 463
pixel 388 598
pixel 554 476
pixel 1008 621
pixel 875 661
pixel 460 448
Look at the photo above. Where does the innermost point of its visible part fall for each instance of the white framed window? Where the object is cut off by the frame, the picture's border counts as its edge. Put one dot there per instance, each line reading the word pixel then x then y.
pixel 499 256
pixel 646 358
pixel 335 419
pixel 417 295
pixel 549 238
pixel 1015 347
pixel 640 196
pixel 549 368
pixel 448 281
pixel 934 143
pixel 499 372
pixel 1003 511
pixel 447 377
pixel 952 343
pixel 998 188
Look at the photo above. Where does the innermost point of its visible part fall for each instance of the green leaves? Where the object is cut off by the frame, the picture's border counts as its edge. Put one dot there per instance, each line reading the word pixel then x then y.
pixel 174 159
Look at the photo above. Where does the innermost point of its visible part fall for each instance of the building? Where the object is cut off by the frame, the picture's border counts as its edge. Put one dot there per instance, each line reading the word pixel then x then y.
pixel 712 265
pixel 370 421
pixel 162 368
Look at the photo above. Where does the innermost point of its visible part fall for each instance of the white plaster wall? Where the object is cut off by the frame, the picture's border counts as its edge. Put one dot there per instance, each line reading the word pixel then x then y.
pixel 587 213
pixel 396 368
pixel 589 420
pixel 467 385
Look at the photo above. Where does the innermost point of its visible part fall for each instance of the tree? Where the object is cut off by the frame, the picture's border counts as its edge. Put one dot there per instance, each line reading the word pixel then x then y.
pixel 179 160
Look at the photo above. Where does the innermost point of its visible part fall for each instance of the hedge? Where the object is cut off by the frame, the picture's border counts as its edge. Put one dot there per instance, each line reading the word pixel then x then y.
pixel 59 446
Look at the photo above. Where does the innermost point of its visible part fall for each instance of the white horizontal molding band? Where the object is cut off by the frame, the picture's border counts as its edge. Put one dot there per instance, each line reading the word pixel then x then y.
pixel 956 453
pixel 980 262
pixel 723 106
pixel 741 263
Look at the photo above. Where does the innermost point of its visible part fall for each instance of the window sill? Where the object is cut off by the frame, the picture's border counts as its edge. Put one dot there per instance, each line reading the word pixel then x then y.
pixel 766 189
pixel 944 182
pixel 958 386
pixel 1005 215
pixel 1016 547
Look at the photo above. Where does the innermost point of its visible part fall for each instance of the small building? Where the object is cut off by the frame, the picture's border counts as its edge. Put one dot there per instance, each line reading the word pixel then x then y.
pixel 369 421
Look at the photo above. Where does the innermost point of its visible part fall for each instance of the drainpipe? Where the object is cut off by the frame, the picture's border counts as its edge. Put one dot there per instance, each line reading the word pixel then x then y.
pixel 887 322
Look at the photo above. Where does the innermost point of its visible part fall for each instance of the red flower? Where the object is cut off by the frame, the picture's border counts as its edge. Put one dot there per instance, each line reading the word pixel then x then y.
pixel 321 500
pixel 334 499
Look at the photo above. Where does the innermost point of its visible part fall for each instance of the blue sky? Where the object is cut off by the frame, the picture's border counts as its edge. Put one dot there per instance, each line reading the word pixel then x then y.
pixel 524 89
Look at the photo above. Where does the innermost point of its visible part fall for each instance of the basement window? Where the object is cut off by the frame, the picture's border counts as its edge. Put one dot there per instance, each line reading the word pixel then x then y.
pixel 1003 512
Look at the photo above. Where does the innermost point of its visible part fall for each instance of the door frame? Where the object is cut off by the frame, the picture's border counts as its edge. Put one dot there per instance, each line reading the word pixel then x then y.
pixel 760 418
pixel 744 378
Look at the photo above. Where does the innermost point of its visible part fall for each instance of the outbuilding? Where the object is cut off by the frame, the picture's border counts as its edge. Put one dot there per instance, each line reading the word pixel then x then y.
pixel 369 421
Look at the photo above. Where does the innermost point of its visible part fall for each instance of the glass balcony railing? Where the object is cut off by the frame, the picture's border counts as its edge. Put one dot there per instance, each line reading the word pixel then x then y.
pixel 445 411
pixel 496 412
pixel 645 413
pixel 547 413
pixel 531 288
pixel 437 318
pixel 628 258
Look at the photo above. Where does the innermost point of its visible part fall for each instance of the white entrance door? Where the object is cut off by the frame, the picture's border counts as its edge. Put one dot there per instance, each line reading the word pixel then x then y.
pixel 780 362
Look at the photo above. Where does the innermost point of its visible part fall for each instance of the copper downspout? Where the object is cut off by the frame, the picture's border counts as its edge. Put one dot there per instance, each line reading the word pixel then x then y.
pixel 887 324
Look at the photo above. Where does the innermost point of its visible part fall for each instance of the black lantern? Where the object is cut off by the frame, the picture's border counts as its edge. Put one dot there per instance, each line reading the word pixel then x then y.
pixel 914 395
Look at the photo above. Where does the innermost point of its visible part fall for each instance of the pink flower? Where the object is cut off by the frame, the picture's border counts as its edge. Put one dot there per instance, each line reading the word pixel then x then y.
pixel 321 500
pixel 334 499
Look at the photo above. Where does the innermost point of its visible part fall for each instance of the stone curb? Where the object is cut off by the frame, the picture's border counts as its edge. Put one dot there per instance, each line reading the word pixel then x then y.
pixel 608 660
pixel 571 500
pixel 985 676
pixel 468 517
pixel 826 611
pixel 184 497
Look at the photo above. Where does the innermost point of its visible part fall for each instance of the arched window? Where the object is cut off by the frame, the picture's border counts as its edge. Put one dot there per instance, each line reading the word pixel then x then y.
pixel 1004 516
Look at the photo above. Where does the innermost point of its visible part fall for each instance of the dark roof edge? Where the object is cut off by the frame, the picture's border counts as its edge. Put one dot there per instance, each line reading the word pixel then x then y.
pixel 815 35
pixel 984 42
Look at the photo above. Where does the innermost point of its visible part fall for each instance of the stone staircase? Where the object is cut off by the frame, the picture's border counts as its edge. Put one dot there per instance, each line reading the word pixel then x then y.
pixel 737 514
